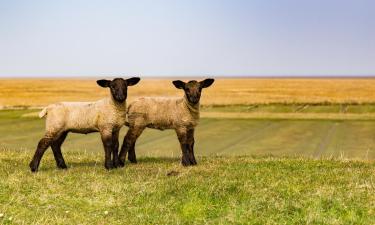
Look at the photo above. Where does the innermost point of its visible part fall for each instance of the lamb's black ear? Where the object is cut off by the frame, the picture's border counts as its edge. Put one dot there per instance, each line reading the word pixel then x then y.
pixel 132 81
pixel 206 83
pixel 179 84
pixel 103 83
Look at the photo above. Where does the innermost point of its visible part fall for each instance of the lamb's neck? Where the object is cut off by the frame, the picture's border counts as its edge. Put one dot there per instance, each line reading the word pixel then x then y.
pixel 116 105
pixel 193 108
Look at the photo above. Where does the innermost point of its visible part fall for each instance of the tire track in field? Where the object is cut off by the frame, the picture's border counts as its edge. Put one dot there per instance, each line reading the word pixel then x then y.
pixel 305 137
pixel 245 137
pixel 327 138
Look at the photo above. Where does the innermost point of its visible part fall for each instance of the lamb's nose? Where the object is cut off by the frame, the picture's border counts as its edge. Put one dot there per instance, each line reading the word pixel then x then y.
pixel 121 98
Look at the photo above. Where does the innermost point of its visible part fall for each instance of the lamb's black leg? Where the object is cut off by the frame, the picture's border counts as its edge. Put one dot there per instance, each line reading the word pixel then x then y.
pixel 116 162
pixel 185 155
pixel 190 138
pixel 131 156
pixel 182 135
pixel 194 161
pixel 43 144
pixel 108 147
pixel 56 148
pixel 128 145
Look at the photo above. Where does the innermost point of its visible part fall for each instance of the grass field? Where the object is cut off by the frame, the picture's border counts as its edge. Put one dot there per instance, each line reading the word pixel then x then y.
pixel 309 179
pixel 313 138
pixel 38 92
pixel 220 190
pixel 270 151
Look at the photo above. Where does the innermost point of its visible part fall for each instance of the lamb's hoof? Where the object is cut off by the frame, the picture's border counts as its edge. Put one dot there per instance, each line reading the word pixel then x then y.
pixel 62 166
pixel 33 168
pixel 116 164
pixel 121 164
pixel 132 158
pixel 185 163
pixel 108 166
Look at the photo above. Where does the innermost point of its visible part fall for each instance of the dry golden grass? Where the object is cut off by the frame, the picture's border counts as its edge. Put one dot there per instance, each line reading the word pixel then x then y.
pixel 39 92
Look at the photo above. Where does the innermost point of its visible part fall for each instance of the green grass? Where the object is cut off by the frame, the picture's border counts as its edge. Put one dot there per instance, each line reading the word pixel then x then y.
pixel 293 108
pixel 218 136
pixel 250 171
pixel 220 190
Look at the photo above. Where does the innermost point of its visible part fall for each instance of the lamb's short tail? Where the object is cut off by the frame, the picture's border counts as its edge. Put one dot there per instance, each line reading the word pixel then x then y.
pixel 43 113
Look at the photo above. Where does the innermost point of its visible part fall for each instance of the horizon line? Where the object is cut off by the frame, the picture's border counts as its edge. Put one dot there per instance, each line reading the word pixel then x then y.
pixel 188 76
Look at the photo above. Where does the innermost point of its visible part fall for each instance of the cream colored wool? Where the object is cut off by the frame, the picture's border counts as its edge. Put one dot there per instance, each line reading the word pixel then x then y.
pixel 104 115
pixel 163 113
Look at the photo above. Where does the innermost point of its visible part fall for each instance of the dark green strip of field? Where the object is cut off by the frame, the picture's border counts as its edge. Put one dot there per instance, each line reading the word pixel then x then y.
pixel 353 139
pixel 294 108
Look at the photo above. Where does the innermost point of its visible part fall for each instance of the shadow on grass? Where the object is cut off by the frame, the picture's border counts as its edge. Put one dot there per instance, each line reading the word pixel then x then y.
pixel 100 164
pixel 153 160
pixel 85 164
pixel 70 165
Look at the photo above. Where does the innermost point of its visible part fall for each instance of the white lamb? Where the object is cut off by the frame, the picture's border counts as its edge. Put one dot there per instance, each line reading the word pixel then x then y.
pixel 180 114
pixel 106 116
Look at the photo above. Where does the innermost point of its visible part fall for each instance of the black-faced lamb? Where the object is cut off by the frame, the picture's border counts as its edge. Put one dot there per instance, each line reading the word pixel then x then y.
pixel 106 116
pixel 180 114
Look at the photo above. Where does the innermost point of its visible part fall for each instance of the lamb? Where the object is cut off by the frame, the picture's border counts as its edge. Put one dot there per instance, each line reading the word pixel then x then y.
pixel 180 114
pixel 106 116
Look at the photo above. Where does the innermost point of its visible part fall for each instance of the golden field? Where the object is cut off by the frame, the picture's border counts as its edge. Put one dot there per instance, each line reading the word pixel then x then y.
pixel 39 92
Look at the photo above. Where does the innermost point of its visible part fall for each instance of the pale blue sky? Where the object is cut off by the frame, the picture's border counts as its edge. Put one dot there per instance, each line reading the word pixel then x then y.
pixel 187 38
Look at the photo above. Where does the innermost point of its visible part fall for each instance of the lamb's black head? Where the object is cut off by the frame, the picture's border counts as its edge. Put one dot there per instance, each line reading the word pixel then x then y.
pixel 119 87
pixel 193 88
